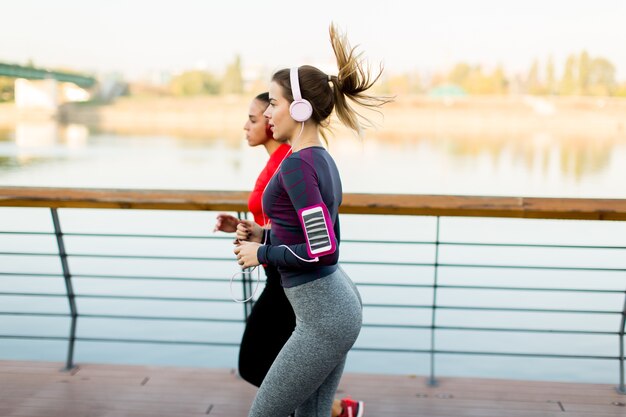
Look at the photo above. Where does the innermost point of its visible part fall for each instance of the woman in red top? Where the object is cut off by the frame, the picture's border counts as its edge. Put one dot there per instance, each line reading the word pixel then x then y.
pixel 272 319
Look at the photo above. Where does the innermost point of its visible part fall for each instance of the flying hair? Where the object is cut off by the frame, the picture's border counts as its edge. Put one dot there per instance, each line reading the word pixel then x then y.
pixel 352 81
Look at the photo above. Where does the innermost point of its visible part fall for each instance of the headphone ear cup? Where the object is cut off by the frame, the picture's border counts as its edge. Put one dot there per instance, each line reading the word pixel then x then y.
pixel 300 110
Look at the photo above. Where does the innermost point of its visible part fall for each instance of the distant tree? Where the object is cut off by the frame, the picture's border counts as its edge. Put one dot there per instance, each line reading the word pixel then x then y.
pixel 232 83
pixel 499 82
pixel 7 89
pixel 257 85
pixel 437 78
pixel 601 79
pixel 551 87
pixel 415 83
pixel 382 86
pixel 460 73
pixel 193 83
pixel 584 72
pixel 620 90
pixel 533 81
pixel 475 81
pixel 399 84
pixel 568 84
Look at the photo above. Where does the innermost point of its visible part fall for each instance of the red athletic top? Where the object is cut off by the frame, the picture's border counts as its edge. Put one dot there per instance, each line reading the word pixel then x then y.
pixel 254 201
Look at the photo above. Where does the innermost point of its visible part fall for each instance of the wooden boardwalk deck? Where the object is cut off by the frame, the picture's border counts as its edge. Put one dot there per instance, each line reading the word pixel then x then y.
pixel 29 389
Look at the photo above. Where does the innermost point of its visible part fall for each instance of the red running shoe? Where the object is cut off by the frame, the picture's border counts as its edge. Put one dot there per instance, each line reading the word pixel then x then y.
pixel 351 408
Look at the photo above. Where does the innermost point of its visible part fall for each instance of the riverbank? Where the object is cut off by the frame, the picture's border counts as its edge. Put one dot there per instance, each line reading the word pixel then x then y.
pixel 405 118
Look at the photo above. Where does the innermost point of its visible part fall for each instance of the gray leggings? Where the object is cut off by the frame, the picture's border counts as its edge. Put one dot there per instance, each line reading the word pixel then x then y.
pixel 306 372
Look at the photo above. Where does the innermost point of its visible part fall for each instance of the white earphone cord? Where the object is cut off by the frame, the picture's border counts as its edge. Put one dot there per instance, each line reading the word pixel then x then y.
pixel 258 277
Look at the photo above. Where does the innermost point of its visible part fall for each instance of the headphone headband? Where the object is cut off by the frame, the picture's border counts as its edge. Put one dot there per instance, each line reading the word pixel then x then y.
pixel 295 83
pixel 300 109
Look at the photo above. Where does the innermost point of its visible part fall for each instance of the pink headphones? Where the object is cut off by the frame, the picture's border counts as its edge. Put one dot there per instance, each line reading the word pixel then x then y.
pixel 300 109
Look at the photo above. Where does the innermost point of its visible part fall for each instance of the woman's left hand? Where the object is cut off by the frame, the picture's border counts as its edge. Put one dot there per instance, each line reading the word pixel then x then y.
pixel 247 254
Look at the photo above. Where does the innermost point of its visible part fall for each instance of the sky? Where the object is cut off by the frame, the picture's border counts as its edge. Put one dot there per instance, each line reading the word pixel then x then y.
pixel 135 37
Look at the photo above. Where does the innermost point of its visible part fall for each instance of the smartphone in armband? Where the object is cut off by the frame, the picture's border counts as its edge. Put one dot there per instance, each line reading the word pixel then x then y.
pixel 318 229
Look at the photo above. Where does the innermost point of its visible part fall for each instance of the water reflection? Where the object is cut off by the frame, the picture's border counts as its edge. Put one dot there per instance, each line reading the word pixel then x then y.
pixel 36 134
pixel 540 163
pixel 540 153
pixel 37 142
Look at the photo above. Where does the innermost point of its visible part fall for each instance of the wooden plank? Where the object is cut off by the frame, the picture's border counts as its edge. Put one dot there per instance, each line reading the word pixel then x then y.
pixel 355 203
pixel 119 390
pixel 123 199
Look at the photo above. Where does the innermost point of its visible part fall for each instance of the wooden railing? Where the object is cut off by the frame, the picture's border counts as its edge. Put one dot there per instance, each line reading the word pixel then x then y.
pixel 437 206
pixel 397 204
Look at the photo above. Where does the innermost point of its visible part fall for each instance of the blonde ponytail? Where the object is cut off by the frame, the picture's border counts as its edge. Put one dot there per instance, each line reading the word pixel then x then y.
pixel 351 82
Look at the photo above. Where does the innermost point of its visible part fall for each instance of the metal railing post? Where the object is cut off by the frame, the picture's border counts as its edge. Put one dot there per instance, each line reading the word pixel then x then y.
pixel 621 388
pixel 69 363
pixel 246 284
pixel 432 381
pixel 247 287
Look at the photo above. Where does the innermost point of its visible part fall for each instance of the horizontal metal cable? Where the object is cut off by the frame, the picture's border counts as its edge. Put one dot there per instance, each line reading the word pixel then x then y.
pixel 30 274
pixel 487 287
pixel 123 235
pixel 531 245
pixel 21 313
pixel 393 242
pixel 32 294
pixel 142 236
pixel 471 308
pixel 159 318
pixel 128 297
pixel 92 255
pixel 514 245
pixel 489 329
pixel 156 341
pixel 112 316
pixel 486 266
pixel 113 340
pixel 348 262
pixel 483 353
pixel 533 267
pixel 51 233
pixel 146 278
pixel 29 254
pixel 530 310
pixel 57 338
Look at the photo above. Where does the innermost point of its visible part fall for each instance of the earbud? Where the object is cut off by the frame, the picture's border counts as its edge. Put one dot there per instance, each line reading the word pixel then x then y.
pixel 300 109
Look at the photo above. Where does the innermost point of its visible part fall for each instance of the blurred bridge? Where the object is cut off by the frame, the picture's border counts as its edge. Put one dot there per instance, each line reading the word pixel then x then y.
pixel 44 90
pixel 32 73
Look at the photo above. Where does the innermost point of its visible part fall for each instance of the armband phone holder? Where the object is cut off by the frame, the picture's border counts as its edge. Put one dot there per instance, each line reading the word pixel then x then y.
pixel 318 229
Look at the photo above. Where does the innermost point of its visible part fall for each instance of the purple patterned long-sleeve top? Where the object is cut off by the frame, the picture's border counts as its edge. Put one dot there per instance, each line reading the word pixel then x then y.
pixel 308 178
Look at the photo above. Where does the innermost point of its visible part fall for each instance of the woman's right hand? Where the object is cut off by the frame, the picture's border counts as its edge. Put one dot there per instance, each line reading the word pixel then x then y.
pixel 249 231
pixel 226 223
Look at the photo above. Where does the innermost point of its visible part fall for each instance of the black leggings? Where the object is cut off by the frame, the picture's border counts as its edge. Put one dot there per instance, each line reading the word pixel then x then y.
pixel 269 326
